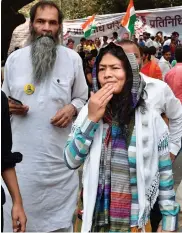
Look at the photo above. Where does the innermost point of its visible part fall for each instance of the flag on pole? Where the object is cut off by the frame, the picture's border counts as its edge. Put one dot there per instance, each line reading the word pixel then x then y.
pixel 89 26
pixel 128 21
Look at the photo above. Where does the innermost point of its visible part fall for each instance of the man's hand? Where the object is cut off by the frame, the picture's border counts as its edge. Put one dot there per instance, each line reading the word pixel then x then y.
pixel 18 218
pixel 17 108
pixel 64 116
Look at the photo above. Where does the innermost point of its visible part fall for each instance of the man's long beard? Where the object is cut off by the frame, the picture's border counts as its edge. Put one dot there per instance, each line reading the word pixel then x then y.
pixel 43 55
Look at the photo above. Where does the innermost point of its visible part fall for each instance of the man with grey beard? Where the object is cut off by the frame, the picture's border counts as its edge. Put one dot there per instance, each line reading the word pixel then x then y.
pixel 49 81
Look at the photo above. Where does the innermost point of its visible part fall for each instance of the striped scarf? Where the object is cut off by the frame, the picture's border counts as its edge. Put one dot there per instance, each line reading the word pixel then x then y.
pixel 113 202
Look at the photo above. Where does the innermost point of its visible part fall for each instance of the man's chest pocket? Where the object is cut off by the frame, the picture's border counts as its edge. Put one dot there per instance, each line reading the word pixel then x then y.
pixel 59 91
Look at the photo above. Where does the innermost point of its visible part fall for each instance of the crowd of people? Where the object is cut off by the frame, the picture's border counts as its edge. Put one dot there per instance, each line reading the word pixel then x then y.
pixel 112 107
pixel 158 52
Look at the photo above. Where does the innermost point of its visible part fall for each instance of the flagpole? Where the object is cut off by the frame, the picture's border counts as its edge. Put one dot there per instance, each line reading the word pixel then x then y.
pixel 129 19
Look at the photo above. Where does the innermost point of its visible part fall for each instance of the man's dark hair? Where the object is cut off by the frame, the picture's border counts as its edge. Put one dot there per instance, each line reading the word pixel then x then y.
pixel 115 35
pixel 152 50
pixel 94 52
pixel 105 38
pixel 148 34
pixel 178 53
pixel 175 34
pixel 42 4
pixel 159 32
pixel 71 40
pixel 166 49
pixel 146 51
pixel 149 51
pixel 82 39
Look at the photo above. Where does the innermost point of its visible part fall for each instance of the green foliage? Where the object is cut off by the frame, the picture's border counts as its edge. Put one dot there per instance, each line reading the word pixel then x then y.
pixel 167 3
pixel 26 9
pixel 73 9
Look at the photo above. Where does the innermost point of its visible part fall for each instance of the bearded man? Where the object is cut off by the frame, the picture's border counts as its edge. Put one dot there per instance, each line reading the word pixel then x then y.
pixel 49 80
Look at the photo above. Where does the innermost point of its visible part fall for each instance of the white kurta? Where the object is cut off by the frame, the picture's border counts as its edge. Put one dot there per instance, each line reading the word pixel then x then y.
pixel 165 66
pixel 49 189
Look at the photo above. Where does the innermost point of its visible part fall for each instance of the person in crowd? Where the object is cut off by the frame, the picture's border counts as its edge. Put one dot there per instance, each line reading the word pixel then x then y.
pixel 82 55
pixel 147 39
pixel 92 45
pixel 175 36
pixel 159 53
pixel 141 42
pixel 159 37
pixel 80 47
pixel 174 78
pixel 165 39
pixel 126 36
pixel 172 49
pixel 94 52
pixel 8 162
pixel 114 37
pixel 87 47
pixel 150 66
pixel 89 63
pixel 123 173
pixel 133 37
pixel 135 40
pixel 97 44
pixel 105 43
pixel 49 81
pixel 164 63
pixel 164 101
pixel 157 44
pixel 153 52
pixel 70 44
pixel 152 38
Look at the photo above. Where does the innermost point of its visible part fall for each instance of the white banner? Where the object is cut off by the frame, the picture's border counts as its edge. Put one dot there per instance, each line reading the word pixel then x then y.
pixel 166 20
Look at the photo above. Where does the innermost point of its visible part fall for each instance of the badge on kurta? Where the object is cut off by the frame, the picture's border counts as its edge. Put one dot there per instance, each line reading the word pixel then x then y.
pixel 29 89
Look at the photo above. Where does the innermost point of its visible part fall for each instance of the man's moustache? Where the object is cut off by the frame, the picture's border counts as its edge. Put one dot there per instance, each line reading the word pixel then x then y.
pixel 46 35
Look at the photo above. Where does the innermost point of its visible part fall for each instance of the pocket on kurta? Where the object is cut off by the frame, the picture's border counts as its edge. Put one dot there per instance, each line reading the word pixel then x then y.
pixel 59 90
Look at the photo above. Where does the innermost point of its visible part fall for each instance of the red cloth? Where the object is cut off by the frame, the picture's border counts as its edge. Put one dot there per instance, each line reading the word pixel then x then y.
pixel 152 70
pixel 174 79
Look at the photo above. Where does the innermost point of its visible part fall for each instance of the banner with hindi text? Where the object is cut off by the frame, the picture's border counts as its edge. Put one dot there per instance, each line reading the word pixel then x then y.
pixel 166 20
